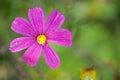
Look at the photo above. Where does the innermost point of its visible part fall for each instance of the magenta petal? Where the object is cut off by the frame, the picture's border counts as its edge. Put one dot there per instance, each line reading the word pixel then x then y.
pixel 21 43
pixel 51 58
pixel 32 55
pixel 21 26
pixel 36 17
pixel 61 37
pixel 55 20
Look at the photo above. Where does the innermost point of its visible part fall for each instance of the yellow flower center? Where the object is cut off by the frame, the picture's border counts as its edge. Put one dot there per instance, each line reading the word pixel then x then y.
pixel 41 39
pixel 87 74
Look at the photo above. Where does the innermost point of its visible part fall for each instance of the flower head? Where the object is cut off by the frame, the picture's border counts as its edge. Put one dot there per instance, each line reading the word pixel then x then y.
pixel 88 74
pixel 37 33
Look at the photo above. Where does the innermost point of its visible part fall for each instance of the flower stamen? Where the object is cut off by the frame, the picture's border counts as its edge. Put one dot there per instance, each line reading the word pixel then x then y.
pixel 41 39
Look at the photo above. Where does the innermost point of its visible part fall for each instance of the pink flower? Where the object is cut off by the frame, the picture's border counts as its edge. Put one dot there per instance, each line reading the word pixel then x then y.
pixel 37 33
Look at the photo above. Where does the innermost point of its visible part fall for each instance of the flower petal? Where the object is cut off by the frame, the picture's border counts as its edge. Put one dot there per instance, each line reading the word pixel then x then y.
pixel 21 43
pixel 61 37
pixel 51 58
pixel 21 26
pixel 32 55
pixel 55 20
pixel 36 17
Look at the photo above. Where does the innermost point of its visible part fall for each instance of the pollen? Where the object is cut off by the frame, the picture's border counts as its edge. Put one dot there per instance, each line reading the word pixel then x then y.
pixel 41 39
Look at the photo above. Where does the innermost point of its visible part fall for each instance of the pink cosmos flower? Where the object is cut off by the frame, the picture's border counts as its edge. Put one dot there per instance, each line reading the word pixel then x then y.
pixel 37 33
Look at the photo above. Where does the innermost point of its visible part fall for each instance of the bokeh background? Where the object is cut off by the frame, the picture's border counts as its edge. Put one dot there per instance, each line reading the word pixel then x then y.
pixel 95 27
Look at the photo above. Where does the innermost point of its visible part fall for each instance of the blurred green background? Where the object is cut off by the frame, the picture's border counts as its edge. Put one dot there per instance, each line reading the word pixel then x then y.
pixel 95 27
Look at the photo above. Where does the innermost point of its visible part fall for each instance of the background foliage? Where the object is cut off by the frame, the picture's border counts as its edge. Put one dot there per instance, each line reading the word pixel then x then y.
pixel 95 27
